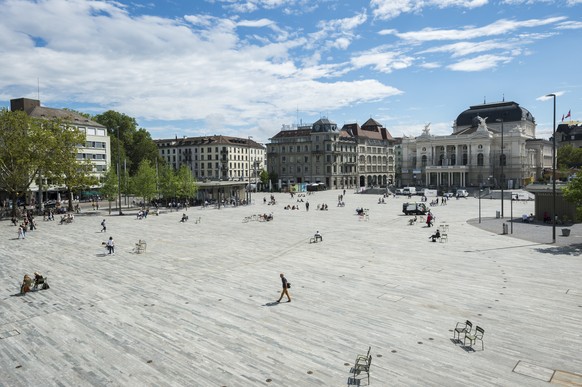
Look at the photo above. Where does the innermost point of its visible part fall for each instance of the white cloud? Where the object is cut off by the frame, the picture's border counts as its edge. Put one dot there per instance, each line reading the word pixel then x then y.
pixel 389 9
pixel 548 97
pixel 196 69
pixel 479 63
pixel 570 25
pixel 500 27
pixel 430 65
pixel 384 62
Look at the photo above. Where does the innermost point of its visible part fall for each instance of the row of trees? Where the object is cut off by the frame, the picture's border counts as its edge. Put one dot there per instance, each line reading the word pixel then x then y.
pixel 151 182
pixel 45 151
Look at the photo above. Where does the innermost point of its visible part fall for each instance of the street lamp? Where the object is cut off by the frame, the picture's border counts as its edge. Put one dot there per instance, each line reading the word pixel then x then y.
pixel 502 161
pixel 249 170
pixel 119 171
pixel 480 194
pixel 553 170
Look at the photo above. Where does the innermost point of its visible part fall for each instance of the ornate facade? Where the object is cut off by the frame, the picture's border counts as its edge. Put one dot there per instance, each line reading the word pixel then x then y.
pixel 348 158
pixel 491 145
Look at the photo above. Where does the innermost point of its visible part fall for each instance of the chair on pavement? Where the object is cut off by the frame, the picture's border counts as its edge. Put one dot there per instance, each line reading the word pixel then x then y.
pixel 462 328
pixel 473 337
pixel 444 237
pixel 363 365
pixel 364 356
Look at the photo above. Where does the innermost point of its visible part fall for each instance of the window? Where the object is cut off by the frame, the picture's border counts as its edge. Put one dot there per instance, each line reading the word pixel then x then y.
pixel 480 159
pixel 502 159
pixel 465 159
pixel 424 160
pixel 453 159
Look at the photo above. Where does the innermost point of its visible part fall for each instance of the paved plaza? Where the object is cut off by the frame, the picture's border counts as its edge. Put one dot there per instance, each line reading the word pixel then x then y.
pixel 198 308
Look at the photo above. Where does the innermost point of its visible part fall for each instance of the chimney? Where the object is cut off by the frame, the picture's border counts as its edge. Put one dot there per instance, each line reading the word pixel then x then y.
pixel 24 104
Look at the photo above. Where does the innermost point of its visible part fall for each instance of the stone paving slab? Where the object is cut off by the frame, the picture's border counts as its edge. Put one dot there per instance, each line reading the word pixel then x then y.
pixel 198 308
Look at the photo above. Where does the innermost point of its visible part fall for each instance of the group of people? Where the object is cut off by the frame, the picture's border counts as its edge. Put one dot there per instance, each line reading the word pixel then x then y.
pixel 265 217
pixel 322 207
pixel 67 218
pixel 290 207
pixel 142 213
pixel 29 284
pixel 28 222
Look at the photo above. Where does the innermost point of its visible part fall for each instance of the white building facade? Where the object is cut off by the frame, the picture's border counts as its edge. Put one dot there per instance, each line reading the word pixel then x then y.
pixel 97 147
pixel 492 145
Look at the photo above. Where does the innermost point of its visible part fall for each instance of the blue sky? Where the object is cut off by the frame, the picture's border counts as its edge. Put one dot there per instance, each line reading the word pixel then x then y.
pixel 245 68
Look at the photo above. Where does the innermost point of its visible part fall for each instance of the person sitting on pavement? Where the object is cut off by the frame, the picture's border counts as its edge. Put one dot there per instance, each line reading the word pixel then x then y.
pixel 26 284
pixel 184 218
pixel 435 236
pixel 318 236
pixel 38 280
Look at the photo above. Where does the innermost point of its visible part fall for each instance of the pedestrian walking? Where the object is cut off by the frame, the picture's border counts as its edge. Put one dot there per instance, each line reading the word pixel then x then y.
pixel 103 226
pixel 286 285
pixel 307 206
pixel 110 245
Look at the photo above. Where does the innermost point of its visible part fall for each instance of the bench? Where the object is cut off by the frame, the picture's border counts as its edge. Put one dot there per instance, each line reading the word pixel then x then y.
pixel 140 247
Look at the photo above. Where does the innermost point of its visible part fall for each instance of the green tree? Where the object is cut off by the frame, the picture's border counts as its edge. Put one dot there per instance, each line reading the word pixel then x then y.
pixel 186 183
pixel 133 146
pixel 109 189
pixel 568 158
pixel 29 146
pixel 573 193
pixel 168 182
pixel 264 176
pixel 144 181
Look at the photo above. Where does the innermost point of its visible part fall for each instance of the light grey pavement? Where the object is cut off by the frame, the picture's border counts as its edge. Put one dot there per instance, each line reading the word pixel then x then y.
pixel 197 309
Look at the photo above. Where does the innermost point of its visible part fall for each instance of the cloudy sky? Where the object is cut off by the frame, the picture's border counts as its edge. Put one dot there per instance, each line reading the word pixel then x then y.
pixel 245 68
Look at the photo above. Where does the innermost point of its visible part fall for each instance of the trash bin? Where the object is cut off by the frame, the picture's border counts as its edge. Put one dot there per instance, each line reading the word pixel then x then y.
pixel 497 214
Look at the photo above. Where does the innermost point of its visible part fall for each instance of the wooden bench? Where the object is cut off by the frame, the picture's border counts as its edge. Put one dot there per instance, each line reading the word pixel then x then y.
pixel 140 247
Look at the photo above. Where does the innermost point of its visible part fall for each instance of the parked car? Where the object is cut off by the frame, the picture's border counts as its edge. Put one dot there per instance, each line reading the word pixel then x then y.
pixel 414 208
pixel 462 193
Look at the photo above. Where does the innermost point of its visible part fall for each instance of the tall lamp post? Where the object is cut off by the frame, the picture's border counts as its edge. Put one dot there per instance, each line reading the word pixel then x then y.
pixel 553 170
pixel 502 162
pixel 480 194
pixel 249 170
pixel 119 171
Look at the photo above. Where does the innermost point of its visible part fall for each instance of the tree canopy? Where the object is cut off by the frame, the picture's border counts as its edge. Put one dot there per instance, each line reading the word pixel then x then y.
pixel 134 144
pixel 30 147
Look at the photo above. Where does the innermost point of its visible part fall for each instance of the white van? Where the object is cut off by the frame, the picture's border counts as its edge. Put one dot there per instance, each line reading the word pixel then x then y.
pixel 462 193
pixel 409 191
